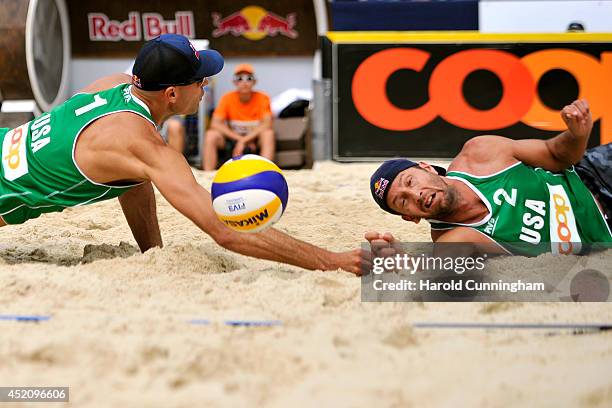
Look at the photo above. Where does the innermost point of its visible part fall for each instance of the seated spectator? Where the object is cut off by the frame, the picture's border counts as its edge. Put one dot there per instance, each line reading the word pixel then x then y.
pixel 242 122
pixel 173 131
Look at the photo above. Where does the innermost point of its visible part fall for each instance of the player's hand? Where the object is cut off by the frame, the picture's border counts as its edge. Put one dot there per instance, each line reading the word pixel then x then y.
pixel 383 245
pixel 238 148
pixel 357 261
pixel 578 119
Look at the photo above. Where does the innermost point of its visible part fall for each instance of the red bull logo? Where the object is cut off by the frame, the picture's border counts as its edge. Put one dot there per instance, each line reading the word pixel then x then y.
pixel 136 81
pixel 197 54
pixel 254 23
pixel 380 186
pixel 135 28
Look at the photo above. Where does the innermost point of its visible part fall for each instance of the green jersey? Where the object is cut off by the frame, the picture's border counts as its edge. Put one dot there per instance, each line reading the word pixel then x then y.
pixel 532 210
pixel 39 173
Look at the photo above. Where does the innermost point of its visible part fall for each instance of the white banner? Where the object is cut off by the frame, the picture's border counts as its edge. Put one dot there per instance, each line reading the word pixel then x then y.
pixel 544 16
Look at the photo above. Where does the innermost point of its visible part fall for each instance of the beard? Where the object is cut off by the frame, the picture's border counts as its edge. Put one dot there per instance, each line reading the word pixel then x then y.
pixel 447 204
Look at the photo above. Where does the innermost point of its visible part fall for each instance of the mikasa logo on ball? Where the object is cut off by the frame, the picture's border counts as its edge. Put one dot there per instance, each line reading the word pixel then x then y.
pixel 255 220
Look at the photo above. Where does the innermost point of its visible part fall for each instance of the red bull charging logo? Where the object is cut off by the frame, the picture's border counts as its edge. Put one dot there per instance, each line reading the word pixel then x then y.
pixel 254 23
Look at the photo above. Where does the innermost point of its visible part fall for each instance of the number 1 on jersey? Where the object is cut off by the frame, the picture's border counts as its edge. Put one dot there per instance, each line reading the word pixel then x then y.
pixel 97 102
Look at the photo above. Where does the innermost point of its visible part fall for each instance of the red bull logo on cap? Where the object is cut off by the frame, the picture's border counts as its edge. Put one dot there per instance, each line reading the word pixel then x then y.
pixel 136 81
pixel 254 23
pixel 380 186
pixel 197 54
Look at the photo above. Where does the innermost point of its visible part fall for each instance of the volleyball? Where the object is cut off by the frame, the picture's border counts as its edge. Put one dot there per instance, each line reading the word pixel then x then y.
pixel 249 193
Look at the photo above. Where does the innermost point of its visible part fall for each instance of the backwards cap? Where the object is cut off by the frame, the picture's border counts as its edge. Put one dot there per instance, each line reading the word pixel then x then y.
pixel 171 59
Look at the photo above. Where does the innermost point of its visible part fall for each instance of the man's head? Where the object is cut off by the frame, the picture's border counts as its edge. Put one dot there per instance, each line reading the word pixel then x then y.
pixel 244 78
pixel 170 65
pixel 412 190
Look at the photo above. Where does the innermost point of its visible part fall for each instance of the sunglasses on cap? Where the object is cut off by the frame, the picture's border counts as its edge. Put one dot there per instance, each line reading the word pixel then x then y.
pixel 244 78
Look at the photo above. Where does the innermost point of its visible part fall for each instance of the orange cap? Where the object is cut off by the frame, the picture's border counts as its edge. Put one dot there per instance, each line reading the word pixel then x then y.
pixel 248 68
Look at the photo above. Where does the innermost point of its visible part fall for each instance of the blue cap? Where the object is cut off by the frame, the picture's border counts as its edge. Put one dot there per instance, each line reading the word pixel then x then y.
pixel 171 59
pixel 381 180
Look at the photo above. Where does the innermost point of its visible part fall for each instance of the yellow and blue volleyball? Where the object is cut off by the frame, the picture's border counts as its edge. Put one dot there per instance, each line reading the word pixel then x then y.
pixel 249 193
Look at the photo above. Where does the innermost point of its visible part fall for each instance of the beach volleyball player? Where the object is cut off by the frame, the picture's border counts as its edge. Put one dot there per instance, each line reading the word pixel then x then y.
pixel 511 196
pixel 103 143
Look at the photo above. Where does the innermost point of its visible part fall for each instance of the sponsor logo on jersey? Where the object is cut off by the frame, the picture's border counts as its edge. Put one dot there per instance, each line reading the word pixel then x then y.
pixel 14 162
pixel 490 228
pixel 127 95
pixel 564 237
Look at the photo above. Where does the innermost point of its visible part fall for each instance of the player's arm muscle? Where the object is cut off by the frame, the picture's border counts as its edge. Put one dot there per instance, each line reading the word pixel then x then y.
pixel 482 150
pixel 554 154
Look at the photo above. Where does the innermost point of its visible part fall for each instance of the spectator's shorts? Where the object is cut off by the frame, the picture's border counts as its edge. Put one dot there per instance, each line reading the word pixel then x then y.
pixel 226 153
pixel 163 130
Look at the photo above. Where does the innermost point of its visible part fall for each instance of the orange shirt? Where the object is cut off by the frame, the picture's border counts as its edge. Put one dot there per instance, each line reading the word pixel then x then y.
pixel 243 117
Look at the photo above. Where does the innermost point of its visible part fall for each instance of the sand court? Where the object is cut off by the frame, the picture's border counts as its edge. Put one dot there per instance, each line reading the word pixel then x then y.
pixel 121 325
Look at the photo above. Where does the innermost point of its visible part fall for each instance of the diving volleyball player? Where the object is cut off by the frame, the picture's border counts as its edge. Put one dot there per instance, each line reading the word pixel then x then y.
pixel 103 143
pixel 512 196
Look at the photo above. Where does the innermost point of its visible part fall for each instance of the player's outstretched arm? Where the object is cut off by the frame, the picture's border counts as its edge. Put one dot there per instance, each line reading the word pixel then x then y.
pixel 172 176
pixel 555 154
pixel 138 205
pixel 277 246
pixel 565 149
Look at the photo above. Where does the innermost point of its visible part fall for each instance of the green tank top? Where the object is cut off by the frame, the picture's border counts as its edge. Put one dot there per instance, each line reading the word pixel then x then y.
pixel 39 173
pixel 532 210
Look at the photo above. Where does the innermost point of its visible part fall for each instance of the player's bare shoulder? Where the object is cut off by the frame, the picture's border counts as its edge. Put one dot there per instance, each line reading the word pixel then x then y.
pixel 124 129
pixel 484 155
pixel 106 82
pixel 133 135
pixel 121 129
pixel 113 147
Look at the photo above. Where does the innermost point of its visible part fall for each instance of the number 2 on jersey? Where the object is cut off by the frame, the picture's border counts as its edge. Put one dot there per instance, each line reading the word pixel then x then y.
pixel 510 199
